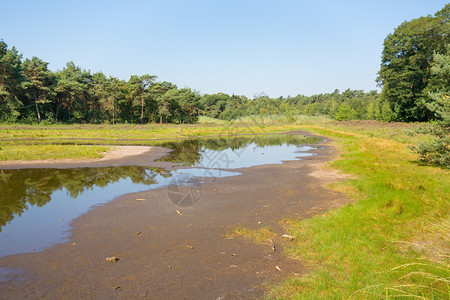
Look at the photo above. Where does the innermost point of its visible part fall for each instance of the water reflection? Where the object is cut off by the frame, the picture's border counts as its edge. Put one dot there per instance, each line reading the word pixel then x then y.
pixel 23 188
pixel 193 152
pixel 37 205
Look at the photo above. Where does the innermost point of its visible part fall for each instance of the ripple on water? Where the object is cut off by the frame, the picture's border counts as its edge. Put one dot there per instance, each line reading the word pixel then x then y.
pixel 8 275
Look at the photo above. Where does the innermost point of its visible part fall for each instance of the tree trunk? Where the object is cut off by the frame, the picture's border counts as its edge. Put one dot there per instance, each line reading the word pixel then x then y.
pixel 38 113
pixel 142 109
pixel 56 113
pixel 160 118
pixel 114 111
pixel 70 104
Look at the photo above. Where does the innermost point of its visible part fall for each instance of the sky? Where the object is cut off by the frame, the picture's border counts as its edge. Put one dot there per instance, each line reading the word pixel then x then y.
pixel 243 47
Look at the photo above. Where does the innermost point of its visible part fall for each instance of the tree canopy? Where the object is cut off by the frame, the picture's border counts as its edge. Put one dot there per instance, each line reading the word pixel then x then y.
pixel 31 93
pixel 406 65
pixel 437 151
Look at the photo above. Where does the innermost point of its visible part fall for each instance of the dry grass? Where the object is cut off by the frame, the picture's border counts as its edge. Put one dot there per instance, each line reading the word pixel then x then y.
pixel 262 235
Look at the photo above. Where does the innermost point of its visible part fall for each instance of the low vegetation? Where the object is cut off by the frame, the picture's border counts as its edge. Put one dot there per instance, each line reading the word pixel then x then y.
pixel 50 151
pixel 262 235
pixel 37 142
pixel 392 240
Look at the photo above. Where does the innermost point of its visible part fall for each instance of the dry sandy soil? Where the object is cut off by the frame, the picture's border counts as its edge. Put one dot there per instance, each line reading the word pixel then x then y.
pixel 170 252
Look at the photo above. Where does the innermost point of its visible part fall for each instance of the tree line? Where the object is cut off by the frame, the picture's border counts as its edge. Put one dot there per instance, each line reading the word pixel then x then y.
pixel 31 93
pixel 347 105
pixel 413 89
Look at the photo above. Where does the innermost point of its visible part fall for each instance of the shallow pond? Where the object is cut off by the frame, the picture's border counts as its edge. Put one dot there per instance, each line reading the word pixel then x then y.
pixel 37 205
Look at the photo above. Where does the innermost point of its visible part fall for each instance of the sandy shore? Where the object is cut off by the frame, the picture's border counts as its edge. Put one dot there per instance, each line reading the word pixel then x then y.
pixel 117 155
pixel 125 151
pixel 171 252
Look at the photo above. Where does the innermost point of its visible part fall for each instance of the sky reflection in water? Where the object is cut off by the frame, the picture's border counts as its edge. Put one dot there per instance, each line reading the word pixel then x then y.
pixel 37 205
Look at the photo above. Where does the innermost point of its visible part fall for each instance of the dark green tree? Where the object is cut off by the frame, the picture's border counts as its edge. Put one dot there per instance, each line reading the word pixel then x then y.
pixel 405 65
pixel 11 82
pixel 437 151
pixel 39 82
pixel 99 92
pixel 213 105
pixel 189 104
pixel 114 91
pixel 164 93
pixel 234 108
pixel 138 87
pixel 69 88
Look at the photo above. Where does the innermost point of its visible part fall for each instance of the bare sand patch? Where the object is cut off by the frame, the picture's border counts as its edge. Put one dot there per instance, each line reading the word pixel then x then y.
pixel 124 151
pixel 322 171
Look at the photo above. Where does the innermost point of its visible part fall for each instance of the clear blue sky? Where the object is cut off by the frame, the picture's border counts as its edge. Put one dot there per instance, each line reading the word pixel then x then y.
pixel 282 47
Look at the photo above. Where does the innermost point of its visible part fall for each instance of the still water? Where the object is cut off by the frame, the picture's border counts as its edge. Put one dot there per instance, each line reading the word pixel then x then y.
pixel 37 205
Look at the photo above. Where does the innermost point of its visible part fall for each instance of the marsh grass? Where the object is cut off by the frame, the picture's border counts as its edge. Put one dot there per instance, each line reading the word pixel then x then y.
pixel 209 120
pixel 354 251
pixel 427 277
pixel 262 235
pixel 42 152
pixel 136 132
pixel 354 247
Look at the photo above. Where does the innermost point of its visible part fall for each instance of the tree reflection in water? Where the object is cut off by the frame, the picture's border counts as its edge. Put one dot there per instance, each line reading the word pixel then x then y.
pixel 34 187
pixel 189 152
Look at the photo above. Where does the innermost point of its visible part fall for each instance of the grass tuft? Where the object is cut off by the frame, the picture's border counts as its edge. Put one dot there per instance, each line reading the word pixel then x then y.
pixel 262 235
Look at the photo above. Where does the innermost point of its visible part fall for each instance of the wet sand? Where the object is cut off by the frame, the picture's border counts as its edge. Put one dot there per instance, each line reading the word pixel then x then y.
pixel 164 254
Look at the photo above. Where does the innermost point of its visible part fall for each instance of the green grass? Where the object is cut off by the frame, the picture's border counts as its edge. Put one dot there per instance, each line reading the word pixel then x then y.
pixel 152 131
pixel 354 249
pixel 43 152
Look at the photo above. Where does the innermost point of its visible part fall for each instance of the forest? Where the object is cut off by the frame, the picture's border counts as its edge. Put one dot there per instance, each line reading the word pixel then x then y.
pixel 413 78
pixel 31 93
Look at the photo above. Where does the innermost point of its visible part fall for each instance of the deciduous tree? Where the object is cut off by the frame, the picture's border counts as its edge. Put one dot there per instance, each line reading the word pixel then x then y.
pixel 406 61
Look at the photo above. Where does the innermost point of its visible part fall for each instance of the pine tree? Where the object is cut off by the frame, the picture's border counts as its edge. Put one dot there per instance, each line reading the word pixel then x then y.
pixel 438 151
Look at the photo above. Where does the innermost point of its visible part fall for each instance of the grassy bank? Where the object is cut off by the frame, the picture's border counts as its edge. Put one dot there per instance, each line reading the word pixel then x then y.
pixel 392 241
pixel 46 152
